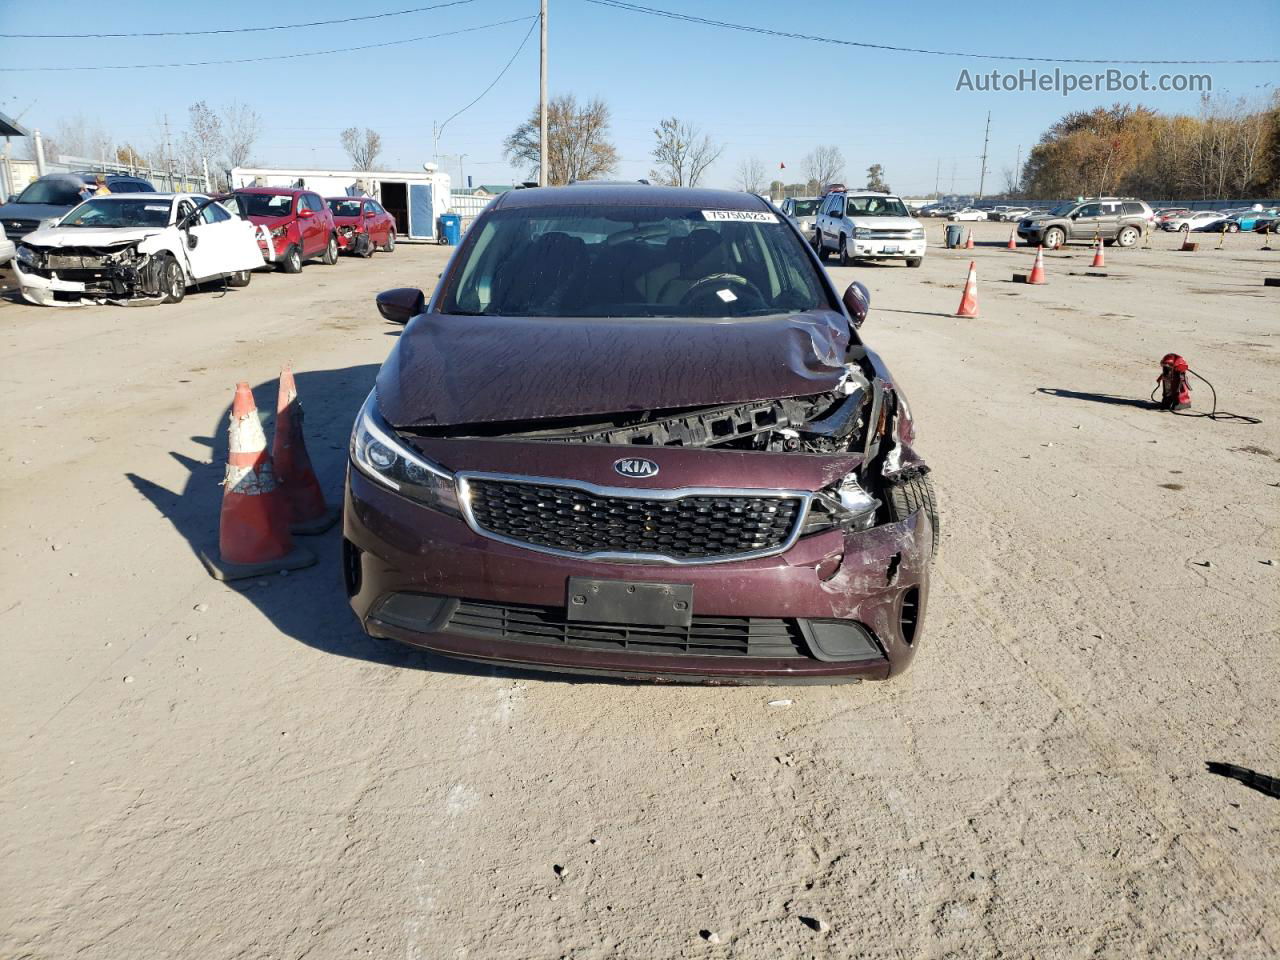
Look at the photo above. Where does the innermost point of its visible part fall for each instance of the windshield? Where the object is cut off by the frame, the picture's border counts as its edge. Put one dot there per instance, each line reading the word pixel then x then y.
pixel 876 207
pixel 60 193
pixel 345 208
pixel 806 208
pixel 624 261
pixel 104 212
pixel 265 204
pixel 1062 209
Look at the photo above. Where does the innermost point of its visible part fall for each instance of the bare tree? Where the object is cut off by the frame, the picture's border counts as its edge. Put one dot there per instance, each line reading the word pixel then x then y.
pixel 682 153
pixel 363 149
pixel 241 126
pixel 875 179
pixel 751 175
pixel 578 146
pixel 79 137
pixel 824 165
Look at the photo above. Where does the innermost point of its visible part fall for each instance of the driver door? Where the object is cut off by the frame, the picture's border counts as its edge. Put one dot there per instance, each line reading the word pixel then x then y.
pixel 1086 221
pixel 223 243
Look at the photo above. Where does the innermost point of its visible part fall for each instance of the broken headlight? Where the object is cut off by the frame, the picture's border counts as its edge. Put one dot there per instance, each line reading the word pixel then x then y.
pixel 845 505
pixel 29 257
pixel 380 455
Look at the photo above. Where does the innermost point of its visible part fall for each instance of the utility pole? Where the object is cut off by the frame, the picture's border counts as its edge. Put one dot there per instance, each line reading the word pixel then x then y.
pixel 953 176
pixel 168 152
pixel 1017 172
pixel 542 101
pixel 937 176
pixel 982 177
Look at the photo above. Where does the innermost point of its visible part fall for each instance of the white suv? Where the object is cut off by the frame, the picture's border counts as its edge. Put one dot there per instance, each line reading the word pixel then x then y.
pixel 863 225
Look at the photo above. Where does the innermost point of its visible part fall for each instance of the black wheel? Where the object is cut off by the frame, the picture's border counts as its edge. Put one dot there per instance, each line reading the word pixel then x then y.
pixel 915 261
pixel 820 246
pixel 1127 237
pixel 330 252
pixel 844 252
pixel 369 246
pixel 1054 237
pixel 904 499
pixel 292 260
pixel 240 279
pixel 391 242
pixel 172 283
pixel 1233 228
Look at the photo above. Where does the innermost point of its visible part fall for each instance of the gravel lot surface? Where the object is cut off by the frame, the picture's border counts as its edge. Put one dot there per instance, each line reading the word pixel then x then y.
pixel 192 769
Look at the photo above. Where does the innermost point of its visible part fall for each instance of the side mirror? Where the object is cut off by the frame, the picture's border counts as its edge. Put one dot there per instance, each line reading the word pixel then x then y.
pixel 401 304
pixel 192 240
pixel 306 213
pixel 857 300
pixel 1075 215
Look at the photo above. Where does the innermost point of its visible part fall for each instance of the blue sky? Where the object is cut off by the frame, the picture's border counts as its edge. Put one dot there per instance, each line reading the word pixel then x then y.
pixel 764 96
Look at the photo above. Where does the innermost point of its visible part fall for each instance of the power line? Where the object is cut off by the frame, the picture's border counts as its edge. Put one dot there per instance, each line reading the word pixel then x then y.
pixel 500 75
pixel 671 15
pixel 205 33
pixel 283 56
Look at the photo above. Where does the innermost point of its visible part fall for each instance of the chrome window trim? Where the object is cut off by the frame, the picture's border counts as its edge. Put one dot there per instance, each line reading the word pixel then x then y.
pixel 462 483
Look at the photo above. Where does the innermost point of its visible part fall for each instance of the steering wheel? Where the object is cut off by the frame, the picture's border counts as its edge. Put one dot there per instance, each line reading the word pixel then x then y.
pixel 747 292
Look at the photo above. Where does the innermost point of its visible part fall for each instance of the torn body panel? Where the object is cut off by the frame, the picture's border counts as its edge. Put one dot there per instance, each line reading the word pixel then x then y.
pixel 67 276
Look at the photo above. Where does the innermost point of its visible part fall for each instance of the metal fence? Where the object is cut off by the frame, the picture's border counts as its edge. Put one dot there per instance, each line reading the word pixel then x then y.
pixel 468 207
pixel 15 175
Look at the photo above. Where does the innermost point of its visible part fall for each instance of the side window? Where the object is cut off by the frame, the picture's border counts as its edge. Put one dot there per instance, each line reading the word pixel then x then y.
pixel 214 214
pixel 1089 210
pixel 1110 209
pixel 315 203
pixel 376 207
pixel 1133 209
pixel 185 209
pixel 121 186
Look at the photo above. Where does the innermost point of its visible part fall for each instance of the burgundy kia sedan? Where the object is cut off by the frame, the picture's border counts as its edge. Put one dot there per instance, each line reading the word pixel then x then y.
pixel 363 225
pixel 636 432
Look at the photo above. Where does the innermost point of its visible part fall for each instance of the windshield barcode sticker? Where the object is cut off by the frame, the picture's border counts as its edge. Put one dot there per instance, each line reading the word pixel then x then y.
pixel 158 207
pixel 739 216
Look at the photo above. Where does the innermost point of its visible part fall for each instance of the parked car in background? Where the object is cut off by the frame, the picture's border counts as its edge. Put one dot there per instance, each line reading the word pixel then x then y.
pixel 1192 221
pixel 967 213
pixel 363 226
pixel 1008 214
pixel 126 247
pixel 772 522
pixel 866 225
pixel 54 195
pixel 300 222
pixel 1118 220
pixel 1165 213
pixel 1249 219
pixel 1267 223
pixel 803 212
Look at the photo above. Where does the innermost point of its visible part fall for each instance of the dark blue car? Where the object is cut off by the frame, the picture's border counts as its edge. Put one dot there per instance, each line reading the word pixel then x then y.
pixel 55 194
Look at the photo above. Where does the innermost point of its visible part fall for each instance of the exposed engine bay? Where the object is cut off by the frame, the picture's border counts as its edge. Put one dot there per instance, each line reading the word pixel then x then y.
pixel 109 274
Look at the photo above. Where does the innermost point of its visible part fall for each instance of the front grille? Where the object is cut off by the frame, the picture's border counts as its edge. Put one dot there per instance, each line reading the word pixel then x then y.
pixel 693 528
pixel 73 261
pixel 17 229
pixel 704 637
pixel 890 234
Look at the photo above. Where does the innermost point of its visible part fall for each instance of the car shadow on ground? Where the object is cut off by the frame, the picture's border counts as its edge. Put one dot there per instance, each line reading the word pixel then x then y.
pixel 307 605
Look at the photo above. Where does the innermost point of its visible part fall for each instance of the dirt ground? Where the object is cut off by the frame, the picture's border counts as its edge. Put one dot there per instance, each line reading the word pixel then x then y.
pixel 192 769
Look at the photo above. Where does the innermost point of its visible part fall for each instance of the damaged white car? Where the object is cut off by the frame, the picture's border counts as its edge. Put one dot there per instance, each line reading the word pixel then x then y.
pixel 135 248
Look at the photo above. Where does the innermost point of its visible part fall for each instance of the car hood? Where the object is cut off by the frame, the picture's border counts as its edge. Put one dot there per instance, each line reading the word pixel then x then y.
pixel 885 223
pixel 88 237
pixel 32 211
pixel 447 370
pixel 346 221
pixel 269 221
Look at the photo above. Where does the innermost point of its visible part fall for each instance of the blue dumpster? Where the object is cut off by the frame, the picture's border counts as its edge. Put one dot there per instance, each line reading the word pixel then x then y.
pixel 954 231
pixel 450 229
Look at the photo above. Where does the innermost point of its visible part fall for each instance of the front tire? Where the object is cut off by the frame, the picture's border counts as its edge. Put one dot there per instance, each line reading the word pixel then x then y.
pixel 1233 228
pixel 240 279
pixel 906 498
pixel 292 261
pixel 915 261
pixel 820 247
pixel 844 252
pixel 330 252
pixel 1054 237
pixel 172 282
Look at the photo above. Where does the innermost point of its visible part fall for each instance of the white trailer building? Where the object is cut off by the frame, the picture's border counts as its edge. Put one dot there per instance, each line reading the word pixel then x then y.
pixel 415 198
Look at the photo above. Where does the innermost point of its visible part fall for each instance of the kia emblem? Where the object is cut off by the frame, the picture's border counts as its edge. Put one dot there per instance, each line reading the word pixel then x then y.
pixel 636 467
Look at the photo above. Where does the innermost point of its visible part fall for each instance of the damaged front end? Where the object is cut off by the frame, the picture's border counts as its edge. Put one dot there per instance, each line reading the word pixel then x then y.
pixel 67 276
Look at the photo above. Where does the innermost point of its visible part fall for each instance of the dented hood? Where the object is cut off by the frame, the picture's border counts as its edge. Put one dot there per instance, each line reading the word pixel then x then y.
pixel 89 237
pixel 448 369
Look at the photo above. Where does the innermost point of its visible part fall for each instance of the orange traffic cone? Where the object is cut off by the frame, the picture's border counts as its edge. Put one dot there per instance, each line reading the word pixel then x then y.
pixel 1013 242
pixel 1098 259
pixel 307 511
pixel 968 243
pixel 969 299
pixel 253 533
pixel 1037 269
pixel 1187 245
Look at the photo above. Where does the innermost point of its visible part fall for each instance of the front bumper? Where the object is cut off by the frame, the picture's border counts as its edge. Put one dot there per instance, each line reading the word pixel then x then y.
pixel 400 554
pixel 877 249
pixel 43 291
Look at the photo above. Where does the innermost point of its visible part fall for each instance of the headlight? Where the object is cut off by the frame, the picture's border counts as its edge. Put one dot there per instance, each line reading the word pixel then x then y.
pixel 917 233
pixel 279 231
pixel 845 505
pixel 27 255
pixel 861 233
pixel 381 456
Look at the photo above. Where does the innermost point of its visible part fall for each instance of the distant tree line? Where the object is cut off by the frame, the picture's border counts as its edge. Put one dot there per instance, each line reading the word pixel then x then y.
pixel 1227 149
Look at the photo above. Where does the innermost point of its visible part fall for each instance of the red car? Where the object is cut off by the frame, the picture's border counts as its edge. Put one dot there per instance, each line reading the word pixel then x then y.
pixel 363 226
pixel 300 222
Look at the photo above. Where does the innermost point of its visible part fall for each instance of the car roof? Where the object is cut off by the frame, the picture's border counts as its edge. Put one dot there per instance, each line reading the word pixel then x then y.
pixel 629 194
pixel 361 197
